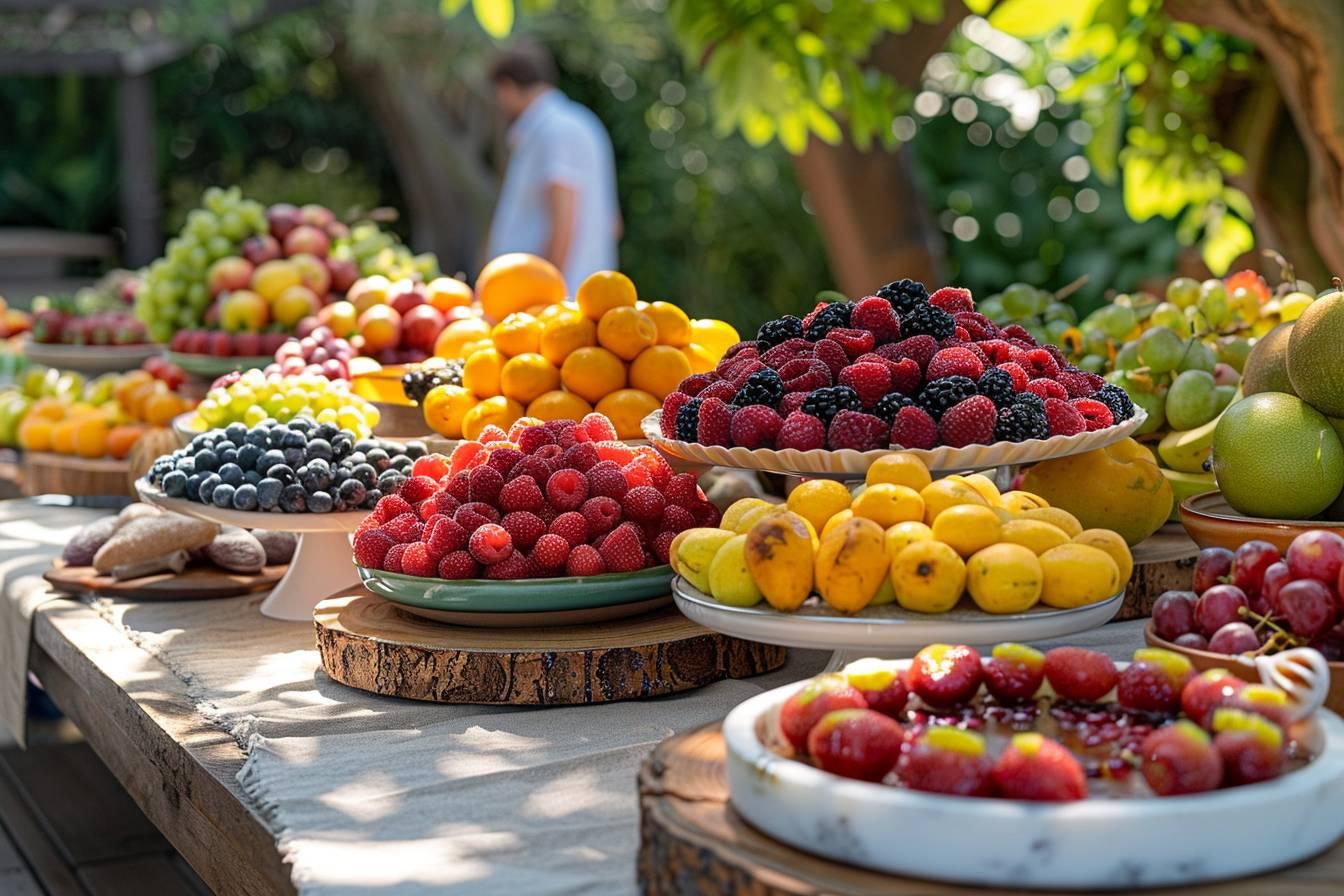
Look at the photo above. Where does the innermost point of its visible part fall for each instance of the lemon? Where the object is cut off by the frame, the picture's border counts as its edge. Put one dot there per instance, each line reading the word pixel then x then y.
pixel 1076 575
pixel 674 327
pixel 517 334
pixel 1037 536
pixel 899 469
pixel 967 528
pixel 603 291
pixel 1113 544
pixel 715 335
pixel 528 376
pixel 1057 517
pixel 699 358
pixel 444 407
pixel 558 405
pixel 592 372
pixel 1004 578
pixel 817 500
pixel 563 334
pixel 480 372
pixel 738 509
pixel 626 332
pixel 627 408
pixel 658 370
pixel 887 504
pixel 498 410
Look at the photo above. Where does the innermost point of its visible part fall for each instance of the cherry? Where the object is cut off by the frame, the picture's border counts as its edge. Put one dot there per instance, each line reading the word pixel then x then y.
pixel 1211 566
pixel 1249 564
pixel 1218 606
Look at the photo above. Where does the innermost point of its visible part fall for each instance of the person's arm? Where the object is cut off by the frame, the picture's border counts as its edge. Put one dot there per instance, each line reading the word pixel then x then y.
pixel 562 203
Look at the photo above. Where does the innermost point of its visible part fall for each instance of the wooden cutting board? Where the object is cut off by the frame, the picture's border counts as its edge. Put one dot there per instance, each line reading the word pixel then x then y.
pixel 193 583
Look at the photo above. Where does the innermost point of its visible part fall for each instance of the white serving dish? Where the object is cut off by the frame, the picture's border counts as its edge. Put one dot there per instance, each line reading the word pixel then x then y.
pixel 1111 844
pixel 88 359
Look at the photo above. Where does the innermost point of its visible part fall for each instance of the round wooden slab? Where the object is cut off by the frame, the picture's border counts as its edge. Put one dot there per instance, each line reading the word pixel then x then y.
pixel 692 842
pixel 193 583
pixel 371 644
pixel 45 473
pixel 1163 562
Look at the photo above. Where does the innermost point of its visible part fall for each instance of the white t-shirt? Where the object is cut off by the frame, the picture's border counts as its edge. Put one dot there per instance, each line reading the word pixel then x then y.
pixel 559 141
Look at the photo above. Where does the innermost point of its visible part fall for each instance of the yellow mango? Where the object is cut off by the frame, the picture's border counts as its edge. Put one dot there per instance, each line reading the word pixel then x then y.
pixel 730 582
pixel 850 564
pixel 928 577
pixel 779 557
pixel 696 552
pixel 1117 488
pixel 1076 575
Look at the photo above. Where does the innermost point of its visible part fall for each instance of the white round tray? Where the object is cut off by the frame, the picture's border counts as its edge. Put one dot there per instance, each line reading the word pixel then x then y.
pixel 890 627
pixel 322 564
pixel 847 463
pixel 92 359
pixel 1113 844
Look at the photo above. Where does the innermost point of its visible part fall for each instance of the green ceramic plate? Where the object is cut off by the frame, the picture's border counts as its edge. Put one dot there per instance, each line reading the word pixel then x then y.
pixel 211 366
pixel 519 596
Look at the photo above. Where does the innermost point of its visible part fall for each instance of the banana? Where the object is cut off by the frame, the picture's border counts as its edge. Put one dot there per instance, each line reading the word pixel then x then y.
pixel 1186 450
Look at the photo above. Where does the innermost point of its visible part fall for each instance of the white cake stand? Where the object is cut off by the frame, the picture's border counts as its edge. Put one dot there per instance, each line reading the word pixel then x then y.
pixel 322 563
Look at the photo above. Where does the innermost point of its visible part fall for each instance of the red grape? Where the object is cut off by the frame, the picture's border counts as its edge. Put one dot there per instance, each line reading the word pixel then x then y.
pixel 1210 567
pixel 1174 614
pixel 1234 638
pixel 1317 555
pixel 1249 564
pixel 1276 577
pixel 1218 606
pixel 1193 640
pixel 1309 606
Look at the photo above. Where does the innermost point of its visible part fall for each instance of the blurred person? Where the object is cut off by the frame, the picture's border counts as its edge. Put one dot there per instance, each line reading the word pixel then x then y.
pixel 559 195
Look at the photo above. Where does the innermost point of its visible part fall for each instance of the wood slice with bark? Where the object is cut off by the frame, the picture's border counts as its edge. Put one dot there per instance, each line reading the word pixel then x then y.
pixel 1163 562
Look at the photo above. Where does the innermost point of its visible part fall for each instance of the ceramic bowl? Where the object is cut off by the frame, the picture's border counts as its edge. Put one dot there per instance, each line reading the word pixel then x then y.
pixel 210 366
pixel 1212 522
pixel 520 595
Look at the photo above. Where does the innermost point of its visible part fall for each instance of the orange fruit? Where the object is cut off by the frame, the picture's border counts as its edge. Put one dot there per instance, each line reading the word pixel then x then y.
pixel 516 281
pixel 121 439
pixel 444 407
pixel 715 335
pixel 592 372
pixel 528 376
pixel 626 408
pixel 603 291
pixel 35 432
pixel 480 373
pixel 674 327
pixel 137 395
pixel 90 437
pixel 49 409
pixel 129 382
pixel 551 312
pixel 563 334
pixel 448 292
pixel 558 405
pixel 63 436
pixel 516 334
pixel 626 332
pixel 699 357
pixel 498 410
pixel 658 370
pixel 161 407
pixel 457 335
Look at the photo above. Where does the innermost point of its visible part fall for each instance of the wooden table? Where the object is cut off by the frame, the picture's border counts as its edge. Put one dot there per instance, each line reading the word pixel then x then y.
pixel 179 768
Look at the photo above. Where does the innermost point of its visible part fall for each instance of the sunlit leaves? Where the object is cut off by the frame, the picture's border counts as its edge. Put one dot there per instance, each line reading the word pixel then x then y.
pixel 495 16
pixel 1037 18
pixel 1226 238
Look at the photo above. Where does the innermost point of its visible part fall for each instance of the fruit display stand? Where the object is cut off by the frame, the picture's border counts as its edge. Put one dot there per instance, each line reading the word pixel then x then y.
pixel 1212 522
pixel 88 359
pixel 371 644
pixel 1162 562
pixel 47 473
pixel 209 367
pixel 321 565
pixel 196 583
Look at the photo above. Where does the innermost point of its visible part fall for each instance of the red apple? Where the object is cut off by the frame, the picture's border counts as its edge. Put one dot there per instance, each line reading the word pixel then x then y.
pixel 314 272
pixel 306 326
pixel 341 317
pixel 306 239
pixel 228 274
pixel 343 272
pixel 420 326
pixel 380 327
pixel 282 218
pixel 318 216
pixel 244 310
pixel 247 345
pixel 293 305
pixel 220 344
pixel 404 296
pixel 261 249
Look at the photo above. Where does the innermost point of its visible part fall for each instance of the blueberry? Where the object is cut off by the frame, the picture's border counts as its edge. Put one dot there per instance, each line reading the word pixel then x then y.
pixel 366 445
pixel 320 502
pixel 342 445
pixel 228 456
pixel 352 492
pixel 175 484
pixel 276 437
pixel 315 477
pixel 269 459
pixel 282 472
pixel 355 458
pixel 372 498
pixel 257 436
pixel 199 442
pixel 268 493
pixel 403 463
pixel 235 433
pixel 251 476
pixel 390 481
pixel 293 499
pixel 318 448
pixel 223 495
pixel 248 455
pixel 207 461
pixel 416 450
pixel 245 497
pixel 194 486
pixel 378 458
pixel 222 445
pixel 302 423
pixel 365 473
pixel 325 431
pixel 232 474
pixel 206 490
pixel 294 457
pixel 186 465
pixel 293 439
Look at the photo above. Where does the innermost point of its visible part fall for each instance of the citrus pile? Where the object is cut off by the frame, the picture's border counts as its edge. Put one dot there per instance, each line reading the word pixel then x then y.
pixel 906 539
pixel 607 352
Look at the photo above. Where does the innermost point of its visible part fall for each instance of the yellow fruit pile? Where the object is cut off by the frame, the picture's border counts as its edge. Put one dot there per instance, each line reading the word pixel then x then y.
pixel 907 539
pixel 608 352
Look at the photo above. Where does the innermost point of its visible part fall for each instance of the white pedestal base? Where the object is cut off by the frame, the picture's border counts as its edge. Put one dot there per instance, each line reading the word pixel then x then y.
pixel 321 566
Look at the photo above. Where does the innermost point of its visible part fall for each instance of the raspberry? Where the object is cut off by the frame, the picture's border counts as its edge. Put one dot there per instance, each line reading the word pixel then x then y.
pixel 952 299
pixel 1047 389
pixel 869 380
pixel 504 459
pixel 621 550
pixel 584 560
pixel 777 332
pixel 519 425
pixel 605 479
pixel 581 456
pixel 1075 383
pixel 806 374
pixel 914 428
pixel 833 355
pixel 960 336
pixel 550 552
pixel 535 467
pixel 792 350
pixel 490 544
pixel 976 325
pixel 906 376
pixel 514 566
pixel 1062 418
pixel 1079 674
pixel 463 455
pixel 762 387
pixel 524 527
pixel 755 426
pixel 1097 415
pixel 876 315
pixel 675 519
pixel 802 432
pixel 707 514
pixel 417 560
pixel 643 504
pixel 392 561
pixel 857 431
pixel 854 342
pixel 889 404
pixel 744 349
pixel 694 384
pixel 1017 331
pixel 656 465
pixel 662 545
pixel 371 547
pixel 485 484
pixel 1039 363
pixel 812 315
pixel 969 422
pixel 1117 400
pixel 996 350
pixel 431 466
pixel 744 373
pixel 566 489
pixel 571 526
pixel 955 362
pixel 601 514
pixel 715 423
pixel 390 507
pixel 533 438
pixel 471 516
pixel 492 433
pixel 444 536
pixel 636 475
pixel 921 348
pixel 417 488
pixel 671 404
pixel 550 455
pixel 403 528
pixel 683 491
pixel 791 402
pixel 458 565
pixel 598 427
pixel 522 493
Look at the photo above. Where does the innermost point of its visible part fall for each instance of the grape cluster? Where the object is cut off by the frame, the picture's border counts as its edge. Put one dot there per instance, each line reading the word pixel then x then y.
pixel 321 353
pixel 254 396
pixel 378 251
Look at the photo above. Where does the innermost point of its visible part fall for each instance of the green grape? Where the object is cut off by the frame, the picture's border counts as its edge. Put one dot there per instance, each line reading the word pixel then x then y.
pixel 1095 342
pixel 1127 357
pixel 1198 322
pixel 1060 311
pixel 1214 303
pixel 1092 363
pixel 213 199
pixel 1019 301
pixel 219 247
pixel 991 307
pixel 1197 356
pixel 186 317
pixel 1245 304
pixel 201 224
pixel 1232 351
pixel 1183 292
pixel 1056 329
pixel 1038 333
pixel 1191 400
pixel 1160 350
pixel 231 225
pixel 1168 315
pixel 198 296
pixel 1224 394
pixel 197 260
pixel 253 415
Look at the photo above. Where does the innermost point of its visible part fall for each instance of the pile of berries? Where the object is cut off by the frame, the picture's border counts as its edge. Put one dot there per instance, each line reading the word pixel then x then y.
pixel 544 499
pixel 296 467
pixel 927 729
pixel 417 381
pixel 901 368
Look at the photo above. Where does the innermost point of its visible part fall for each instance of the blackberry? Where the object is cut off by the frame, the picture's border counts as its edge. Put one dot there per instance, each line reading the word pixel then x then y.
pixel 890 404
pixel 1031 400
pixel 997 386
pixel 833 315
pixel 417 382
pixel 826 402
pixel 926 319
pixel 1117 399
pixel 688 420
pixel 762 387
pixel 774 332
pixel 904 295
pixel 1020 422
pixel 940 395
